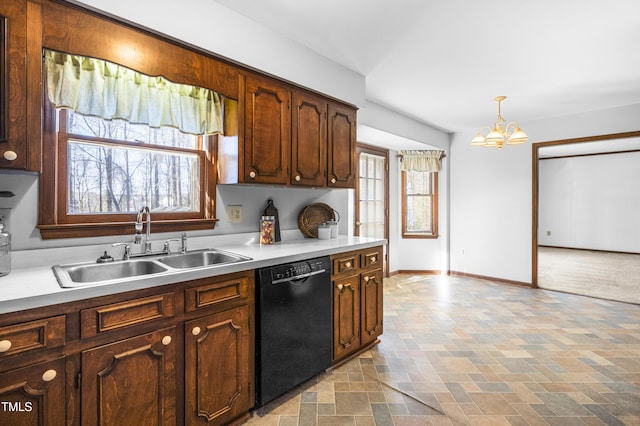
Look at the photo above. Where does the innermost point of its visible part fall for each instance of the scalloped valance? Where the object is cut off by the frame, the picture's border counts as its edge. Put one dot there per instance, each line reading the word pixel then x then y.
pixel 421 161
pixel 103 89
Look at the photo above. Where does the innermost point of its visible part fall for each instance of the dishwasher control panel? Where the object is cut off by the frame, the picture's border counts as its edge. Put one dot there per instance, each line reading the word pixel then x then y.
pixel 298 270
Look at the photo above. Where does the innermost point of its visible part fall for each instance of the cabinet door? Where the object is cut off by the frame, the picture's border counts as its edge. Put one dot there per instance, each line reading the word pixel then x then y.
pixel 217 368
pixel 34 395
pixel 309 140
pixel 267 132
pixel 346 316
pixel 13 80
pixel 131 382
pixel 342 147
pixel 371 305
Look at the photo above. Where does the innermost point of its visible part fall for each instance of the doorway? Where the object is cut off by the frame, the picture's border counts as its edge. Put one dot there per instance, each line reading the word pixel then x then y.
pixel 576 233
pixel 372 196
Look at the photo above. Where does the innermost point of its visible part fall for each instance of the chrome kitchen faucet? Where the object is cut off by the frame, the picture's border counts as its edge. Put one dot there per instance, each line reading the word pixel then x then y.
pixel 138 237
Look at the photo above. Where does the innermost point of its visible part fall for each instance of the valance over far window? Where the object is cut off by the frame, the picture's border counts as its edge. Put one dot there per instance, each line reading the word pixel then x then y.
pixel 421 161
pixel 103 89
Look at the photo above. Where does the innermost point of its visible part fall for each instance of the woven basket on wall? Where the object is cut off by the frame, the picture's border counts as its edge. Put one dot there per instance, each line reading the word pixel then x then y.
pixel 313 215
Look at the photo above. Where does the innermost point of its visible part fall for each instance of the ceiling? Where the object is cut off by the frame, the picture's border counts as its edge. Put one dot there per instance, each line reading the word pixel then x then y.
pixel 443 61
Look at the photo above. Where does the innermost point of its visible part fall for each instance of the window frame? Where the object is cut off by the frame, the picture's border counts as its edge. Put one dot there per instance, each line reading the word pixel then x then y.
pixel 434 207
pixel 54 222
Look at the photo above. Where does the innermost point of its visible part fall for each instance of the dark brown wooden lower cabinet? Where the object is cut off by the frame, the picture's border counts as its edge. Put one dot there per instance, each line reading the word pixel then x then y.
pixel 33 395
pixel 131 382
pixel 370 306
pixel 346 316
pixel 217 368
pixel 357 301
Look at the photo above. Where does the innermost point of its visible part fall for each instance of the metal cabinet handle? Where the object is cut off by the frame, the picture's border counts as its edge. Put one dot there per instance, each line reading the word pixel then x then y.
pixel 49 375
pixel 340 286
pixel 252 175
pixel 347 265
pixel 166 340
pixel 5 345
pixel 333 180
pixel 195 331
pixel 297 178
pixel 366 279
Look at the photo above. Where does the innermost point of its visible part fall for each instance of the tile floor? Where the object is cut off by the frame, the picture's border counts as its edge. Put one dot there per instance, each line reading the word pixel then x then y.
pixel 461 351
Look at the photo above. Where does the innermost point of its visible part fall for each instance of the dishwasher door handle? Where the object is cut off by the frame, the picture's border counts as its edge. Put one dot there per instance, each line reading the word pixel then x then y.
pixel 299 277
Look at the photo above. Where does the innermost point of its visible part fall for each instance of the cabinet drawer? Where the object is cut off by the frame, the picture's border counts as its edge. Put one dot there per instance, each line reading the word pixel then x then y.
pixel 210 294
pixel 345 263
pixel 370 259
pixel 40 334
pixel 132 312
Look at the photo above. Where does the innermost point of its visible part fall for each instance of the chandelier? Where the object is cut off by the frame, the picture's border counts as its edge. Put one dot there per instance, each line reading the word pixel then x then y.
pixel 496 137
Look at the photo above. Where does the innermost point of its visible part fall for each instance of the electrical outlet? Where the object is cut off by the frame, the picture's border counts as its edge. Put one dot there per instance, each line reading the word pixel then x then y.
pixel 234 214
pixel 548 233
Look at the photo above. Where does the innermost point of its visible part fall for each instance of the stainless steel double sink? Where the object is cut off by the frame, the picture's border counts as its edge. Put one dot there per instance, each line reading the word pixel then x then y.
pixel 86 274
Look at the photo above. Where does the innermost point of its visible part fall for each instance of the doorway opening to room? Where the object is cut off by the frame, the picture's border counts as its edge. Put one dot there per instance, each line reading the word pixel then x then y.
pixel 585 235
pixel 372 196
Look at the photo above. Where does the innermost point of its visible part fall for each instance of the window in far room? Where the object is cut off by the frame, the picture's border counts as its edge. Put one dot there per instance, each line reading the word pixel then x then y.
pixel 419 175
pixel 419 204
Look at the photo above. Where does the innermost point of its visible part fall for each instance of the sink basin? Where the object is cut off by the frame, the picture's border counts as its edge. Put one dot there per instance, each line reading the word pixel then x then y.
pixel 201 258
pixel 83 274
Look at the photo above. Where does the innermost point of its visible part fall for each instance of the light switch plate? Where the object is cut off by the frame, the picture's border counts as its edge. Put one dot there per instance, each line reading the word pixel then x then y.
pixel 234 214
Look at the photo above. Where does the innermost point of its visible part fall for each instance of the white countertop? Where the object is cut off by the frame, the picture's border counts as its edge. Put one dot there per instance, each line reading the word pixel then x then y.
pixel 33 287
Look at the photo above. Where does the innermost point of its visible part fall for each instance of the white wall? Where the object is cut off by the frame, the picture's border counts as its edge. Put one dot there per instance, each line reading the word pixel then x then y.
pixel 288 201
pixel 491 217
pixel 590 202
pixel 415 254
pixel 401 132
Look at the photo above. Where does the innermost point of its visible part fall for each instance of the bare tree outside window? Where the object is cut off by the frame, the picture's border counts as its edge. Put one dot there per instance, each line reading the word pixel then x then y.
pixel 114 167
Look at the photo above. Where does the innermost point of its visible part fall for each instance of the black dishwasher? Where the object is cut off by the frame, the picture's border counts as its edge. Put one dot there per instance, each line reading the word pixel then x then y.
pixel 294 326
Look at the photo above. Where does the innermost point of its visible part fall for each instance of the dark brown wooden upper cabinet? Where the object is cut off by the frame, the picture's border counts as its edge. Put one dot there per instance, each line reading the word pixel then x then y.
pixel 342 147
pixel 267 131
pixel 13 84
pixel 309 140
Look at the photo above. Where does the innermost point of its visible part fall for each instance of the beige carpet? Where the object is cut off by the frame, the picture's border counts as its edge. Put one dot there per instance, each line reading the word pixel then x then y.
pixel 612 276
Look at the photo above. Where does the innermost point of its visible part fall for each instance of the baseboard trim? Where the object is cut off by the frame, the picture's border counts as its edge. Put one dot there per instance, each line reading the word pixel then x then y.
pixel 416 272
pixel 589 249
pixel 484 277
